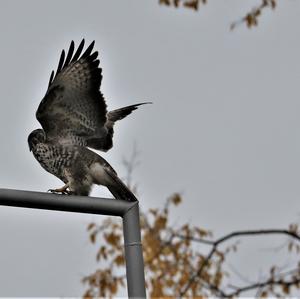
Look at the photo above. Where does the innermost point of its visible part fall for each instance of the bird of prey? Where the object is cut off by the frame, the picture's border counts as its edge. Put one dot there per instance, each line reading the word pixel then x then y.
pixel 74 116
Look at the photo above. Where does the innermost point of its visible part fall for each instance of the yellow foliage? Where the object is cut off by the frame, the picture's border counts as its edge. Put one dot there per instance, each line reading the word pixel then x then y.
pixel 170 257
pixel 119 260
pixel 176 199
pixel 160 223
pixel 112 239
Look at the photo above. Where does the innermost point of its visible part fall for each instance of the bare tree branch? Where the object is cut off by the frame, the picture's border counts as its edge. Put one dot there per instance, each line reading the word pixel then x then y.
pixel 174 265
pixel 225 238
pixel 243 233
pixel 250 19
pixel 269 282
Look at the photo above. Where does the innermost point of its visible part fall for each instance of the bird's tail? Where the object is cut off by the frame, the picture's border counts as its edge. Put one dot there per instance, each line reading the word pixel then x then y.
pixel 120 194
pixel 120 113
pixel 119 190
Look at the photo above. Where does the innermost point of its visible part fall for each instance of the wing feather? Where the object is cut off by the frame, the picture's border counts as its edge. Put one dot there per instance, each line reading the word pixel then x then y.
pixel 73 109
pixel 61 61
pixel 70 53
pixel 51 78
pixel 88 50
pixel 78 52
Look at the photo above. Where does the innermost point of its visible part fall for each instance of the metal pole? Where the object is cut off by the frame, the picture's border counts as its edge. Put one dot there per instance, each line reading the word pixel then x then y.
pixel 134 253
pixel 93 205
pixel 67 203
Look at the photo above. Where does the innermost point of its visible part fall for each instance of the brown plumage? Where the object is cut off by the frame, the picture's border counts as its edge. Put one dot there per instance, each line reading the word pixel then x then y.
pixel 74 116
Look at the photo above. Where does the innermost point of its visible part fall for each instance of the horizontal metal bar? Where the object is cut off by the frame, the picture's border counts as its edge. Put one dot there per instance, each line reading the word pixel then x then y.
pixel 93 205
pixel 67 203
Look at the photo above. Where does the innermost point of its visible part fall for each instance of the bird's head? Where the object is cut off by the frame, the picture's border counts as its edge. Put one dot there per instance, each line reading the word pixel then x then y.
pixel 35 137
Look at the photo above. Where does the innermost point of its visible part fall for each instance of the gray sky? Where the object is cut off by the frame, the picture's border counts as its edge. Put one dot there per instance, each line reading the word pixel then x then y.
pixel 223 130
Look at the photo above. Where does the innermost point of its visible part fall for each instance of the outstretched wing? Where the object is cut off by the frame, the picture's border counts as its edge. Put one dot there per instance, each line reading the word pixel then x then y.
pixel 73 109
pixel 105 142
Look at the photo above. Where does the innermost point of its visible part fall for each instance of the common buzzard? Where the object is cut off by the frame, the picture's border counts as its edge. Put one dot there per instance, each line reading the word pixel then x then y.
pixel 74 116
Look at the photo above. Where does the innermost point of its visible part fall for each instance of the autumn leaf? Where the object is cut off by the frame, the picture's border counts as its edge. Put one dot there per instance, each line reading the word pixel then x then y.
pixel 112 239
pixel 93 237
pixel 171 260
pixel 160 223
pixel 119 260
pixel 193 4
pixel 91 225
pixel 176 199
pixel 102 253
pixel 165 2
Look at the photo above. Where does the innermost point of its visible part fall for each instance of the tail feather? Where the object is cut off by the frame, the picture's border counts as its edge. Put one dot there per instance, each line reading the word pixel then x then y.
pixel 120 113
pixel 118 189
pixel 120 194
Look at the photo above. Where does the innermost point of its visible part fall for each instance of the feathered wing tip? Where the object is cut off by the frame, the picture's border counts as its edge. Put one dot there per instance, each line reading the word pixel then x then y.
pixel 120 113
pixel 106 143
pixel 66 60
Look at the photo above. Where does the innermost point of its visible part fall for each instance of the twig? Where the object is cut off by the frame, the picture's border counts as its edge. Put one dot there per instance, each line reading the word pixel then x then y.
pixel 199 272
pixel 251 17
pixel 225 238
pixel 262 285
pixel 242 233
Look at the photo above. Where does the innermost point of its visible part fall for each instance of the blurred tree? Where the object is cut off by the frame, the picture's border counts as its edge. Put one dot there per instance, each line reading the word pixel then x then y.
pixel 250 18
pixel 183 260
pixel 174 266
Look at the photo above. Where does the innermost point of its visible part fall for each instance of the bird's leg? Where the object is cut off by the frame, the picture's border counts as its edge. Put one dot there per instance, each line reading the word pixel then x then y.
pixel 62 190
